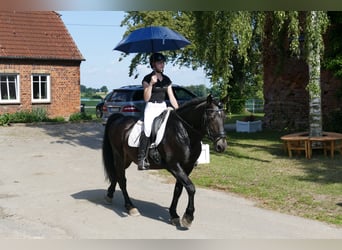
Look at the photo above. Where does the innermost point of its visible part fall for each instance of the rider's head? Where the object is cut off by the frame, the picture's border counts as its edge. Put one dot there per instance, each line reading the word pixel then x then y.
pixel 155 58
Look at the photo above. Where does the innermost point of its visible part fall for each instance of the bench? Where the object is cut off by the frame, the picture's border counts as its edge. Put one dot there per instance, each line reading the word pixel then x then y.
pixel 329 141
pixel 297 142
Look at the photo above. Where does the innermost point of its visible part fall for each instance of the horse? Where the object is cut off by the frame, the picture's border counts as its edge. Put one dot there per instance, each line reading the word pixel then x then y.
pixel 178 150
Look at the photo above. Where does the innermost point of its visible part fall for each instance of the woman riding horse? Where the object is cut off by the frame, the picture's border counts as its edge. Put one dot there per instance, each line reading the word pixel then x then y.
pixel 156 85
pixel 179 150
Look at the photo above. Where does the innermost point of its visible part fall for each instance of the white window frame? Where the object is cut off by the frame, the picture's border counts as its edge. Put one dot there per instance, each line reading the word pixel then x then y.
pixel 17 89
pixel 48 89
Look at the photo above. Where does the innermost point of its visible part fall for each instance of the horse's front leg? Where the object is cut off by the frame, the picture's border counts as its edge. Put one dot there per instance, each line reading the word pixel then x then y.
pixel 173 208
pixel 184 179
pixel 121 165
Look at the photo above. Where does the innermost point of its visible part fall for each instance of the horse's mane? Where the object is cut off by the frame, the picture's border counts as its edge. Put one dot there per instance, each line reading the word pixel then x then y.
pixel 190 104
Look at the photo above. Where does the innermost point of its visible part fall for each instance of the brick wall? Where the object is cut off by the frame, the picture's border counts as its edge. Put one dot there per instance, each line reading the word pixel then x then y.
pixel 65 85
pixel 286 99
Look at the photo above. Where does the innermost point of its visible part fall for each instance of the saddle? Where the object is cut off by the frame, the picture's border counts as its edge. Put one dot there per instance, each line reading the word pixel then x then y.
pixel 157 131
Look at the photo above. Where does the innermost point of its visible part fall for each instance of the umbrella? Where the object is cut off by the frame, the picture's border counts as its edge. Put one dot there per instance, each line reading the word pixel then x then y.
pixel 152 39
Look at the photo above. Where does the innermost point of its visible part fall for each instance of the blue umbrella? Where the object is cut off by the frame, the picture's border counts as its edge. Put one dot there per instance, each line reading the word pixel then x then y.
pixel 152 39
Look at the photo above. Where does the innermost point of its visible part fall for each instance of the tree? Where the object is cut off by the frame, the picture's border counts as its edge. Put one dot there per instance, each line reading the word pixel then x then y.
pixel 317 22
pixel 228 45
pixel 104 89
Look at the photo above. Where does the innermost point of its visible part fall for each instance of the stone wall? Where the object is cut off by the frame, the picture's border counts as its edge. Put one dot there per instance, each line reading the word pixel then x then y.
pixel 286 99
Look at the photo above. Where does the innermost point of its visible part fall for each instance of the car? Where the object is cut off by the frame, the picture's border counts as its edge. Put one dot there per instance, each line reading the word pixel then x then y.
pixel 99 106
pixel 128 100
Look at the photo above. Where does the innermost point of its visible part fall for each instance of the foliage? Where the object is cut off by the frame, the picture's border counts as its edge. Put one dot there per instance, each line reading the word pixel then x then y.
pixel 176 20
pixel 316 24
pixel 227 44
pixel 333 52
pixel 89 92
pixel 5 119
pixel 26 116
pixel 199 90
pixel 82 116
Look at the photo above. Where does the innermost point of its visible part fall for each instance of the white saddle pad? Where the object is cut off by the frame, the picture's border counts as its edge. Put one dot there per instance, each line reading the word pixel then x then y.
pixel 134 136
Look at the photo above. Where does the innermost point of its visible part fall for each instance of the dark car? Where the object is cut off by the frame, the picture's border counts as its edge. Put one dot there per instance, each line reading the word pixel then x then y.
pixel 99 106
pixel 128 100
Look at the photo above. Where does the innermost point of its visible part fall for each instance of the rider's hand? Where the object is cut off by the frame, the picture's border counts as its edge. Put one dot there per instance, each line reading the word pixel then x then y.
pixel 154 79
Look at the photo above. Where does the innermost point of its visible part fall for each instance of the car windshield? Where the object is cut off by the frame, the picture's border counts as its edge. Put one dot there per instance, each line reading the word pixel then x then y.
pixel 183 94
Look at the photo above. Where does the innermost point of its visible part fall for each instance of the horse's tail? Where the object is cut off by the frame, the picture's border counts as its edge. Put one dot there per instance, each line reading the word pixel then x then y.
pixel 107 151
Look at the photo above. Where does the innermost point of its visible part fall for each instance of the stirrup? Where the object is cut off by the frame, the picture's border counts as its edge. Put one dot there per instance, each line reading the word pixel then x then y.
pixel 145 165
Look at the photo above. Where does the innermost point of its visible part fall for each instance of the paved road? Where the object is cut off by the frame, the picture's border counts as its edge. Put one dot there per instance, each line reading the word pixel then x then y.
pixel 52 186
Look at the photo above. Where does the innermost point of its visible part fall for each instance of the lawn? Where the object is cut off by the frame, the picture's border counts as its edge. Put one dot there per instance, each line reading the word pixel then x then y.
pixel 256 167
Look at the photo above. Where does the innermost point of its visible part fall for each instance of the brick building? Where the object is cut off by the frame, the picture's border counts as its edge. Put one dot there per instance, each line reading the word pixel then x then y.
pixel 39 64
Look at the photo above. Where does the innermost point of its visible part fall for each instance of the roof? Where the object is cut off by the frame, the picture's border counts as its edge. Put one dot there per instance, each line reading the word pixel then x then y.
pixel 36 35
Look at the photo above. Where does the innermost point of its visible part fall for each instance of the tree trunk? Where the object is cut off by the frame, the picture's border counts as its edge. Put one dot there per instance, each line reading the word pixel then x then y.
pixel 314 86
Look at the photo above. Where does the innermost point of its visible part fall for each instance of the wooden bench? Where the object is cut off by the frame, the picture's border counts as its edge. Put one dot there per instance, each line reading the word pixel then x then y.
pixel 329 141
pixel 297 142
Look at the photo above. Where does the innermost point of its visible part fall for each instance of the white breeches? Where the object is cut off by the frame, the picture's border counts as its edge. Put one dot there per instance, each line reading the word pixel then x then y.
pixel 152 110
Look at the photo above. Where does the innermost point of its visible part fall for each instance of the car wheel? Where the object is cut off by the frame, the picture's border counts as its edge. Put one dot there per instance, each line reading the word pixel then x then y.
pixel 99 113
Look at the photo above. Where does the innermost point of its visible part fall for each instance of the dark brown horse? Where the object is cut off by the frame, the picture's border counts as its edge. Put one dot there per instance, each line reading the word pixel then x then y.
pixel 178 151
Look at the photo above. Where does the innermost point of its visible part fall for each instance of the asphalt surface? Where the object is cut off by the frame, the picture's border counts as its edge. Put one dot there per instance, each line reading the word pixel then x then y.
pixel 52 186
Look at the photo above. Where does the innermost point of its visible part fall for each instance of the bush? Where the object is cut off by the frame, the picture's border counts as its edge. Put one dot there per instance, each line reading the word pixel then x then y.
pixel 24 116
pixel 4 119
pixel 80 117
pixel 36 115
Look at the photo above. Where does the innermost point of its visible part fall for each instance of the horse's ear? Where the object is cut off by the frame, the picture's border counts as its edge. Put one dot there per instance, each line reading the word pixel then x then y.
pixel 210 98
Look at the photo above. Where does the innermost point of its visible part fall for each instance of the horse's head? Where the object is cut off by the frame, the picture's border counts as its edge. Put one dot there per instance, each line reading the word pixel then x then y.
pixel 214 121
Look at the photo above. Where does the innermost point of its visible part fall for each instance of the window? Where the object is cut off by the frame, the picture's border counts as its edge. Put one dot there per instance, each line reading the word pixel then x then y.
pixel 9 88
pixel 40 88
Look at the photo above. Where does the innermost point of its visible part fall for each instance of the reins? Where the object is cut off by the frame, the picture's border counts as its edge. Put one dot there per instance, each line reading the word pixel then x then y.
pixel 188 125
pixel 213 137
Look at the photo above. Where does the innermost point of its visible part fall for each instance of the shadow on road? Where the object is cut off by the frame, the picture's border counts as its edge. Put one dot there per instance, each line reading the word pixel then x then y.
pixel 88 134
pixel 147 209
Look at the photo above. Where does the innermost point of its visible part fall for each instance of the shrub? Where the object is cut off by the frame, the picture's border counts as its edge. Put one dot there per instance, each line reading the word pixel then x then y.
pixel 36 115
pixel 80 117
pixel 4 119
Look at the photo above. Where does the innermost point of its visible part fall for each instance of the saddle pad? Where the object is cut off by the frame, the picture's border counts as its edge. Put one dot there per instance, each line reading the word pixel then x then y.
pixel 134 136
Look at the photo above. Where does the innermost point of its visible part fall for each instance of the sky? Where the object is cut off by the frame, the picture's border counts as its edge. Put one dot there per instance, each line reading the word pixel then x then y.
pixel 96 33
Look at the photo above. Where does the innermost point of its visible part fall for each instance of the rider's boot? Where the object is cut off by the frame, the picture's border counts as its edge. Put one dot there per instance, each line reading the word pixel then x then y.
pixel 142 152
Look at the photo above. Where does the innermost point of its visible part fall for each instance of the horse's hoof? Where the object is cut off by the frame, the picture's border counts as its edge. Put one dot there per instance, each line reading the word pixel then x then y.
pixel 175 222
pixel 108 200
pixel 134 212
pixel 186 221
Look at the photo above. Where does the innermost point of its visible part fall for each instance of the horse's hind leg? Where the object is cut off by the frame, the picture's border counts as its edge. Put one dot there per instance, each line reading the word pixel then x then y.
pixel 110 193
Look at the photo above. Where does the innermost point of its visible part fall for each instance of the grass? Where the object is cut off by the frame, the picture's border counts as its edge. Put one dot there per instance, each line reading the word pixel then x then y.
pixel 256 167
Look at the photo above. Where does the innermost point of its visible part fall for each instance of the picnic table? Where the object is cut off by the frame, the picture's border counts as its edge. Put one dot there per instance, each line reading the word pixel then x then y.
pixel 329 141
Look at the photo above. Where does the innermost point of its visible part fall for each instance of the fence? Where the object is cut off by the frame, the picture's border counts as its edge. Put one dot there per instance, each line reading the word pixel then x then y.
pixel 254 105
pixel 88 105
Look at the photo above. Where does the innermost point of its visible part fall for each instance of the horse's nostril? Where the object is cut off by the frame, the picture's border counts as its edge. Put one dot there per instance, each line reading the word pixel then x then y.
pixel 220 146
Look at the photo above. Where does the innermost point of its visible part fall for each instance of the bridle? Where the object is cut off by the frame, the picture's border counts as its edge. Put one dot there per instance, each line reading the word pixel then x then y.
pixel 212 136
